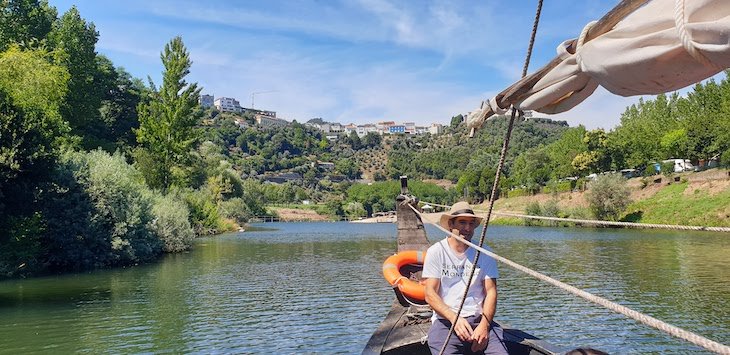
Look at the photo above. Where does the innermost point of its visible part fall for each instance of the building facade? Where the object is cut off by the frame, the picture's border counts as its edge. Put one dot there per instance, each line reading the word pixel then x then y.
pixel 268 121
pixel 206 101
pixel 227 104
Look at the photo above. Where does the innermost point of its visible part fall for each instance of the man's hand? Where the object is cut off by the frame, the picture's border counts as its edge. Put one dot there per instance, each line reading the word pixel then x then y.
pixel 463 329
pixel 480 337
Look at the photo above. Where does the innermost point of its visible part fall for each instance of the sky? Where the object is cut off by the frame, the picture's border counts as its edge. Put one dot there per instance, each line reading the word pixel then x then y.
pixel 350 61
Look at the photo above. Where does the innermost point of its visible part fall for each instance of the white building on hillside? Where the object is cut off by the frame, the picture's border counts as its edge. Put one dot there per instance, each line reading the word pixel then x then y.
pixel 436 128
pixel 350 128
pixel 410 127
pixel 227 104
pixel 362 130
pixel 268 121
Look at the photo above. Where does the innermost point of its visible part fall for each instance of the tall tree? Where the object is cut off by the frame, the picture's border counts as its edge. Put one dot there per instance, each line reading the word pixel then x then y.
pixel 638 139
pixel 564 150
pixel 166 122
pixel 77 39
pixel 702 111
pixel 25 22
pixel 31 131
pixel 119 106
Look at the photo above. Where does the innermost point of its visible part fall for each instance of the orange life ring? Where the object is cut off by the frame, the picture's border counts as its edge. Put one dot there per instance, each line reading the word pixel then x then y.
pixel 391 272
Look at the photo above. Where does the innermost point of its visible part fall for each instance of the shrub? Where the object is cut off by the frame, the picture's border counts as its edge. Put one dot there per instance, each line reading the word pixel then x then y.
pixel 608 196
pixel 204 215
pixel 118 192
pixel 518 193
pixel 236 209
pixel 355 210
pixel 556 187
pixel 533 209
pixel 98 213
pixel 644 182
pixel 725 158
pixel 667 168
pixel 171 224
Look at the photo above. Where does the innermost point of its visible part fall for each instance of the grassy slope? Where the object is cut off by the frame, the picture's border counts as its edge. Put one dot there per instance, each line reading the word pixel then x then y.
pixel 703 200
pixel 685 205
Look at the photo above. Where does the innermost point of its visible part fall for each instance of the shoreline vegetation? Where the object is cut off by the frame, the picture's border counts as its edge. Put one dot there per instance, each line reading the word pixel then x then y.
pixel 697 199
pixel 99 169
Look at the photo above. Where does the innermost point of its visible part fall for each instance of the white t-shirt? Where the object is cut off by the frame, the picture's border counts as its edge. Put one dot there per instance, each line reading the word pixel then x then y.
pixel 453 270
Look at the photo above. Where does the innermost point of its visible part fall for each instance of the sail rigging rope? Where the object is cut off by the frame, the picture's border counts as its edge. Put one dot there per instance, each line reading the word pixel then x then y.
pixel 604 223
pixel 643 318
pixel 500 165
pixel 684 37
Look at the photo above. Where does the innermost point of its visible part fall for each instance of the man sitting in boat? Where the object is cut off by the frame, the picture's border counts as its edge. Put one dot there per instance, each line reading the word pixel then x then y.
pixel 446 271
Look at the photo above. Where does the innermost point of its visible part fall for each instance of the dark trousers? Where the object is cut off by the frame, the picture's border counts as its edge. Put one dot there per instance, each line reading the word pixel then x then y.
pixel 440 329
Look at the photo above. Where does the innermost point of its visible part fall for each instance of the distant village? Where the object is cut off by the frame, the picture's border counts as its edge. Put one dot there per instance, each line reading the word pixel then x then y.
pixel 332 130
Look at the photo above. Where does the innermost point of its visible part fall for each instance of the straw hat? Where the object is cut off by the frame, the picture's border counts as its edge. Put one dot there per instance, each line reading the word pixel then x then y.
pixel 459 209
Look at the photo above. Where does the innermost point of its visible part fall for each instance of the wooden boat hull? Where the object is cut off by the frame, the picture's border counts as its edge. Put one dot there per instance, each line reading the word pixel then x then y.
pixel 404 331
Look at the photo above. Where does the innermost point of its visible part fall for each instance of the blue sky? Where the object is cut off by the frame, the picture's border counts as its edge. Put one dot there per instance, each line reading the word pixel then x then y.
pixel 350 61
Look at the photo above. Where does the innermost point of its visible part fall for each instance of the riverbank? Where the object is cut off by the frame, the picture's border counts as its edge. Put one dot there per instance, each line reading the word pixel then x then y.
pixel 701 199
pixel 287 214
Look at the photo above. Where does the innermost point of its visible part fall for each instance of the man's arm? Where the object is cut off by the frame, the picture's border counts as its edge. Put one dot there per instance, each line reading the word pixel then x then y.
pixel 462 329
pixel 489 307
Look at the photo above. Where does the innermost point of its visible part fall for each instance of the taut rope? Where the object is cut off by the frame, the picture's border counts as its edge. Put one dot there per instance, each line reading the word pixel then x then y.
pixel 604 223
pixel 643 318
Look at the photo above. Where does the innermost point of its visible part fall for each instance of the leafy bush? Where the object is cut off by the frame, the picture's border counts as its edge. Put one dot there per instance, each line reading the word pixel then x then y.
pixel 518 193
pixel 236 209
pixel 98 212
pixel 608 196
pixel 171 224
pixel 19 252
pixel 204 215
pixel 533 209
pixel 725 158
pixel 667 168
pixel 355 210
pixel 119 192
pixel 551 209
pixel 644 182
pixel 557 187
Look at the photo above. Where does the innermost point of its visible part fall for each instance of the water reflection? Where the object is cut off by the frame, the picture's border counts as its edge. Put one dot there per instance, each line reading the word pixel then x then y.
pixel 316 287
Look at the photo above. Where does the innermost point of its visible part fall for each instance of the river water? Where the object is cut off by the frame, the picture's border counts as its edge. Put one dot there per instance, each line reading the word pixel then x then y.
pixel 317 288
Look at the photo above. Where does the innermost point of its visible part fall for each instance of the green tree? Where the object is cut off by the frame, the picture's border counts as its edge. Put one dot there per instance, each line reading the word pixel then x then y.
pixel 25 22
pixel 564 150
pixel 348 168
pixel 31 128
pixel 354 210
pixel 702 114
pixel 456 121
pixel 167 120
pixel 77 39
pixel 119 107
pixel 675 144
pixel 637 141
pixel 371 140
pixel 354 141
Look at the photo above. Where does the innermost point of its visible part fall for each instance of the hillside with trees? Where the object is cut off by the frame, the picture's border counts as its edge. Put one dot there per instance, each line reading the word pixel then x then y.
pixel 101 169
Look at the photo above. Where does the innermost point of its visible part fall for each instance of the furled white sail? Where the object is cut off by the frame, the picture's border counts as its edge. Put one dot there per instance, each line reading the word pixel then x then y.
pixel 663 46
